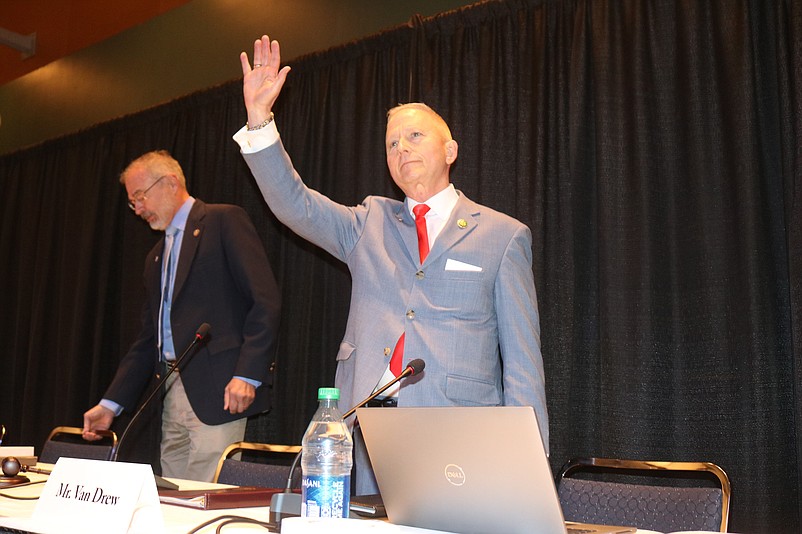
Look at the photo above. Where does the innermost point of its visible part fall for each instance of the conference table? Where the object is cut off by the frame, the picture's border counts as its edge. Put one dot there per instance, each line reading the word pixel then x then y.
pixel 181 520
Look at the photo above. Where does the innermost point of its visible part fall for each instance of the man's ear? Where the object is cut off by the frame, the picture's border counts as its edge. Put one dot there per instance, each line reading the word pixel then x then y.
pixel 173 182
pixel 452 148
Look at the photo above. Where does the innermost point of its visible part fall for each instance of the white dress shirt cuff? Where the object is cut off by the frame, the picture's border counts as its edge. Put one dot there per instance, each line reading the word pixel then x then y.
pixel 251 141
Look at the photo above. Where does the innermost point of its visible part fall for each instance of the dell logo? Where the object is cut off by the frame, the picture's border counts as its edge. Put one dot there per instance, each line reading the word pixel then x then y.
pixel 455 475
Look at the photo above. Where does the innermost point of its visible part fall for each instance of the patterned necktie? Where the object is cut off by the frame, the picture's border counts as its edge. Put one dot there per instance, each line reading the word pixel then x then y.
pixel 169 238
pixel 423 250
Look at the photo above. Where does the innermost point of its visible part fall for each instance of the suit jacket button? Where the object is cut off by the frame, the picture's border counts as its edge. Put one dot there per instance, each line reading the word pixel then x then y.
pixel 419 275
pixel 411 314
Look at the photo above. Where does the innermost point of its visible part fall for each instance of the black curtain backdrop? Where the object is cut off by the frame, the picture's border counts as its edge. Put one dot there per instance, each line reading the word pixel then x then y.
pixel 652 146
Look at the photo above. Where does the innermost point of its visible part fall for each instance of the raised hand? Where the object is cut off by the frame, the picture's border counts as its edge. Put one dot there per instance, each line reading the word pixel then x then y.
pixel 262 84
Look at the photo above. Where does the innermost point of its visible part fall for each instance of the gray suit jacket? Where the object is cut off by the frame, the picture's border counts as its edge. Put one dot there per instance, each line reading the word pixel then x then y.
pixel 470 311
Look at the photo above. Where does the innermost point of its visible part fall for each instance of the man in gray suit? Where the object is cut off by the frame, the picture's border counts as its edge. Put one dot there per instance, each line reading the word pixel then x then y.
pixel 452 285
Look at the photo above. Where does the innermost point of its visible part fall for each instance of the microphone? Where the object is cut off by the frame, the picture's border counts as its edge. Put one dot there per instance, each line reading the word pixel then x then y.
pixel 200 335
pixel 414 367
pixel 287 503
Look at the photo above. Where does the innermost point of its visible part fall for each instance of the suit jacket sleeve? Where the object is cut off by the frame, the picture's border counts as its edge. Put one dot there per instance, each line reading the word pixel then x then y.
pixel 137 366
pixel 333 227
pixel 251 272
pixel 519 330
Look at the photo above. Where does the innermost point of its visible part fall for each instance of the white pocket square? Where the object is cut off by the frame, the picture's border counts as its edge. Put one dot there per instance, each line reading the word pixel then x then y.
pixel 455 265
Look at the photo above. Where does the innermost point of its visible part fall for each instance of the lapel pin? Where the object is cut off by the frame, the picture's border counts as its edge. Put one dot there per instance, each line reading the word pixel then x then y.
pixel 196 233
pixel 462 223
pixel 386 351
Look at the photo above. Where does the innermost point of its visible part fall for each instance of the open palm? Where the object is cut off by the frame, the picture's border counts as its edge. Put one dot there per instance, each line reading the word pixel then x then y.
pixel 262 83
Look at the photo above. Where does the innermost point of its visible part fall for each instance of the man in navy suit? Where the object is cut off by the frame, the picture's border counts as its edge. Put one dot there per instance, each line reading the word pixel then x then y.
pixel 437 275
pixel 211 268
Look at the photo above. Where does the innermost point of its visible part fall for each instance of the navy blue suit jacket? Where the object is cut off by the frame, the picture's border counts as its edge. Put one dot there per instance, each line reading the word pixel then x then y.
pixel 223 278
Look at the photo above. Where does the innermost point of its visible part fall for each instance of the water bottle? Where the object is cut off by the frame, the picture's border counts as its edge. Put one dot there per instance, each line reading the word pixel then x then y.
pixel 326 460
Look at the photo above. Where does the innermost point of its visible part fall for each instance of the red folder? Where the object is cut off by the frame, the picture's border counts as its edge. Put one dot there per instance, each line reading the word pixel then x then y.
pixel 216 499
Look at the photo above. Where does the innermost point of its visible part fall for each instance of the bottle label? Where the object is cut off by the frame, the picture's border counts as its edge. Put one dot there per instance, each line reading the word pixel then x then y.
pixel 325 495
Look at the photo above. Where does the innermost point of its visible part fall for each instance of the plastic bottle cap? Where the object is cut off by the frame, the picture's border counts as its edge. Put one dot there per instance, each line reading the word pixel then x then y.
pixel 328 394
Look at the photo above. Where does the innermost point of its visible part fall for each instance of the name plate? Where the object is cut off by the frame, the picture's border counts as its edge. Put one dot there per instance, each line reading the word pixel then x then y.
pixel 100 497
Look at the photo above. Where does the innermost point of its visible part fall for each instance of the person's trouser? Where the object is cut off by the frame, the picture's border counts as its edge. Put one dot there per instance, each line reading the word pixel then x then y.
pixel 191 449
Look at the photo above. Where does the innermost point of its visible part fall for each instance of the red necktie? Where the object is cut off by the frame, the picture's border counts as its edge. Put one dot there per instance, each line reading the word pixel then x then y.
pixel 423 249
pixel 420 225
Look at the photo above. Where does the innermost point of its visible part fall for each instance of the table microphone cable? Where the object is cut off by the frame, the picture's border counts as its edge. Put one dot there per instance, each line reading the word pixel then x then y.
pixel 232 519
pixel 19 497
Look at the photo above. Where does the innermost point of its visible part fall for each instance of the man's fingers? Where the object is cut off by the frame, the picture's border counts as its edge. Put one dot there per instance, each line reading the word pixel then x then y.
pixel 274 56
pixel 259 53
pixel 246 66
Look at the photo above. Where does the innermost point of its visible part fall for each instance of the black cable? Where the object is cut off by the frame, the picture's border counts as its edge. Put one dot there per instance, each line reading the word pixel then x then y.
pixel 271 527
pixel 234 519
pixel 18 498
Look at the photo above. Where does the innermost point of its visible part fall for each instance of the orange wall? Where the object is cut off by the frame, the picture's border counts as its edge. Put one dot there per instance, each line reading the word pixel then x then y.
pixel 66 26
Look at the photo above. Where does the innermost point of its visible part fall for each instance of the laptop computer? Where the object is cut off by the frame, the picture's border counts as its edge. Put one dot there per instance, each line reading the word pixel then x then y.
pixel 466 469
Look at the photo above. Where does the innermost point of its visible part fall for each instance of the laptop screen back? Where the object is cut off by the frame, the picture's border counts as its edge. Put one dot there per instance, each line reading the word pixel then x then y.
pixel 463 469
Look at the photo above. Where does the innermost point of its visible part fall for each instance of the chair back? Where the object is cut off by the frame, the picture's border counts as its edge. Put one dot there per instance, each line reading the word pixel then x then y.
pixel 68 441
pixel 667 496
pixel 259 464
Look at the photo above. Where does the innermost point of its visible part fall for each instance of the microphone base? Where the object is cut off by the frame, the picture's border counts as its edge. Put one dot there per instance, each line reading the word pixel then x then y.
pixel 7 482
pixel 283 505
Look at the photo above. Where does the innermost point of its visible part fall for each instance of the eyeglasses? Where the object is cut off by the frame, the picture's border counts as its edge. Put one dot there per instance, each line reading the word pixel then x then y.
pixel 141 196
